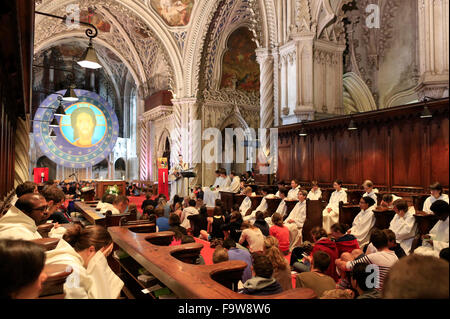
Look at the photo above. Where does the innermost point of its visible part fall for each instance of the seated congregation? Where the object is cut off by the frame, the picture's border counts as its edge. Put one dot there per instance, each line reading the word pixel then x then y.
pixel 295 238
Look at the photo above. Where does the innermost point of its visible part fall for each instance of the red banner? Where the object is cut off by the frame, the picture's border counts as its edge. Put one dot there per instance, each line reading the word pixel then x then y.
pixel 40 174
pixel 163 181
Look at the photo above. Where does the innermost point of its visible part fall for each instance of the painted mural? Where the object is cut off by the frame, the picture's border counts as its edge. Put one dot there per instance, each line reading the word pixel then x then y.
pixel 96 19
pixel 176 13
pixel 239 67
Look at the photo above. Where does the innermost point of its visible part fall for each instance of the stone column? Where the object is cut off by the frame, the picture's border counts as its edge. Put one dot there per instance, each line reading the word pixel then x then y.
pixel 143 150
pixel 433 48
pixel 22 157
pixel 265 60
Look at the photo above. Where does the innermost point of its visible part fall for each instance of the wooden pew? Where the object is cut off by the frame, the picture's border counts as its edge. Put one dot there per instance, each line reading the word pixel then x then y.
pixel 425 222
pixel 347 213
pixel 383 218
pixel 256 200
pixel 314 210
pixel 290 204
pixel 89 213
pixel 353 196
pixel 186 280
pixel 227 199
pixel 238 198
pixel 272 205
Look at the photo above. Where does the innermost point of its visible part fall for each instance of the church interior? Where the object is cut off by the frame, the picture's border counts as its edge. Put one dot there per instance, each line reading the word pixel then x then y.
pixel 224 149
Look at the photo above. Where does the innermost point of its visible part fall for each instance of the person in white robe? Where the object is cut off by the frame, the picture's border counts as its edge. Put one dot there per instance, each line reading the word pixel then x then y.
pixel 262 207
pixel 293 192
pixel 235 183
pixel 295 220
pixel 210 194
pixel 91 276
pixel 188 211
pixel 178 184
pixel 21 220
pixel 247 202
pixel 436 194
pixel 437 239
pixel 280 185
pixel 388 200
pixel 315 193
pixel 282 208
pixel 330 214
pixel 403 225
pixel 108 206
pixel 370 191
pixel 363 222
pixel 226 181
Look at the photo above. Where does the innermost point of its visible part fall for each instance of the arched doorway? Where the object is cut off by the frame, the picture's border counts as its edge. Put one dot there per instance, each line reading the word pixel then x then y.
pixel 166 152
pixel 100 170
pixel 44 161
pixel 120 168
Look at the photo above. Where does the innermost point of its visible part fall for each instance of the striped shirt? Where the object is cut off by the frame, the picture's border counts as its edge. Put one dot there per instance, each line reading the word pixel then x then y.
pixel 383 259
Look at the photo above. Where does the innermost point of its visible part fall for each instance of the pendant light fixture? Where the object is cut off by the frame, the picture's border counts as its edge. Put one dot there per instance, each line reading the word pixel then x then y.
pixel 90 59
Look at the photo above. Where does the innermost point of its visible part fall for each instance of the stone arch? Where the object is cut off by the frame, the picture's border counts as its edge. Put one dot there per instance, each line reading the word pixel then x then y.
pixel 44 161
pixel 357 95
pixel 120 168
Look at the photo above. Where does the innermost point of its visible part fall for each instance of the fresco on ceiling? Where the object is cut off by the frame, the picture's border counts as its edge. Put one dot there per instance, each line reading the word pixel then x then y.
pixel 96 19
pixel 176 13
pixel 239 66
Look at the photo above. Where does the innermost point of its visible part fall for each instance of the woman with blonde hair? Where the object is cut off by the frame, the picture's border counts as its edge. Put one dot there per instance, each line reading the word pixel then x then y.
pixel 281 268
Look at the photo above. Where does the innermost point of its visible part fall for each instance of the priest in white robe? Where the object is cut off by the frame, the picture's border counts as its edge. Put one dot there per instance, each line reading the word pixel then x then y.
pixel 282 208
pixel 178 185
pixel 22 219
pixel 437 239
pixel 436 194
pixel 295 220
pixel 330 214
pixel 315 193
pixel 363 222
pixel 247 202
pixel 403 225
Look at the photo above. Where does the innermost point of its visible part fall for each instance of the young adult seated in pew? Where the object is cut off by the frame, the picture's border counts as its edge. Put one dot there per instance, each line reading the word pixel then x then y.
pixel 294 222
pixel 148 210
pixel 344 242
pixel 253 236
pixel 261 208
pixel 247 202
pixel 281 269
pixel 199 222
pixel 148 200
pixel 293 192
pixel 188 211
pixel 220 254
pixel 436 194
pixel 174 223
pixel 300 257
pixel 262 283
pixel 232 228
pixel 109 199
pixel 364 221
pixel 360 278
pixel 384 258
pixel 235 253
pixel 235 183
pixel 24 188
pixel 22 269
pixel 330 214
pixel 317 279
pixel 22 219
pixel 280 185
pixel 370 191
pixel 403 225
pixel 280 232
pixel 215 225
pixel 315 193
pixel 261 223
pixel 417 277
pixel 437 239
pixel 55 198
pixel 162 223
pixel 86 250
pixel 387 201
pixel 119 205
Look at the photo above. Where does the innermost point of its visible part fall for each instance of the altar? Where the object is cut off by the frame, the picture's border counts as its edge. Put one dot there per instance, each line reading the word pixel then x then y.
pixel 102 186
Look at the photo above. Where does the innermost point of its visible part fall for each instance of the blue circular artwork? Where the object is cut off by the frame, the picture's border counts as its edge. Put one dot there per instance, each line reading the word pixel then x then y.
pixel 86 134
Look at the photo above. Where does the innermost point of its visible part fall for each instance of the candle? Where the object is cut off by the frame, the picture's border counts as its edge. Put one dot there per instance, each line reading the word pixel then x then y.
pixel 164 177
